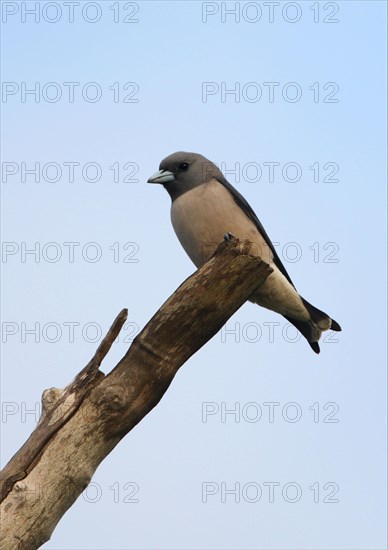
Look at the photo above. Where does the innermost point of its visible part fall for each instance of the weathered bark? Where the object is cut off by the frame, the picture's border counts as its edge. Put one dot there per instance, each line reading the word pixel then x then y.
pixel 81 424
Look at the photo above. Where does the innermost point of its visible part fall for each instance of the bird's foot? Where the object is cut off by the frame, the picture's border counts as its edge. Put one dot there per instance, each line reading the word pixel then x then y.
pixel 228 237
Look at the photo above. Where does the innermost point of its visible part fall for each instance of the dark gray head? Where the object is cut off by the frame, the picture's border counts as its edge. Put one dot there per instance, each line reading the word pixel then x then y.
pixel 183 171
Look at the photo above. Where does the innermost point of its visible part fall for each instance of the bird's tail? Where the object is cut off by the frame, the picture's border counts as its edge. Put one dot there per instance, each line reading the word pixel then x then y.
pixel 313 328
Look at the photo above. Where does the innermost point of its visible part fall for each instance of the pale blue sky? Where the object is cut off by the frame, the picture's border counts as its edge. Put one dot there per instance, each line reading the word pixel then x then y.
pixel 337 227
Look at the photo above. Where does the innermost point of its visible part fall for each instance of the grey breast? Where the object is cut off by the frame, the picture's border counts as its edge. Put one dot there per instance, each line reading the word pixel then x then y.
pixel 203 215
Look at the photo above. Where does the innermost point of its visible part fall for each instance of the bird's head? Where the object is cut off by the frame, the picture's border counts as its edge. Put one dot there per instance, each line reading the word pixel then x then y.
pixel 181 172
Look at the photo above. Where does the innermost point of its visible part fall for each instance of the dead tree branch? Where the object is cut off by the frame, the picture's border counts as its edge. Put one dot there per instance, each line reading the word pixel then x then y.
pixel 82 423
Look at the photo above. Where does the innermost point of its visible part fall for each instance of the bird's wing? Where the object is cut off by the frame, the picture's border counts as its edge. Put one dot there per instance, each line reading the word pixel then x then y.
pixel 246 208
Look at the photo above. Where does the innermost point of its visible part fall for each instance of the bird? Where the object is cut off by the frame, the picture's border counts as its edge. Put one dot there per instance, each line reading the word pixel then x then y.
pixel 204 208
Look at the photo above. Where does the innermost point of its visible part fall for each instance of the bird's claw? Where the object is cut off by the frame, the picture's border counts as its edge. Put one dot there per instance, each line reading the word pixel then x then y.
pixel 228 237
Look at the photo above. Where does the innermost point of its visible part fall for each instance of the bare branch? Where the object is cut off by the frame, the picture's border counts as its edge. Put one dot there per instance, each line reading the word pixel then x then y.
pixel 81 424
pixel 57 407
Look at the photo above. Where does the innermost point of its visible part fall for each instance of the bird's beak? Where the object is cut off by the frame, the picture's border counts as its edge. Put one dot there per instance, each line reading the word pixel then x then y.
pixel 161 176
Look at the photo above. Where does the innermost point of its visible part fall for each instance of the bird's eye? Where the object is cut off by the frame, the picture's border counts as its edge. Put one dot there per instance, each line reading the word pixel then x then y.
pixel 183 166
